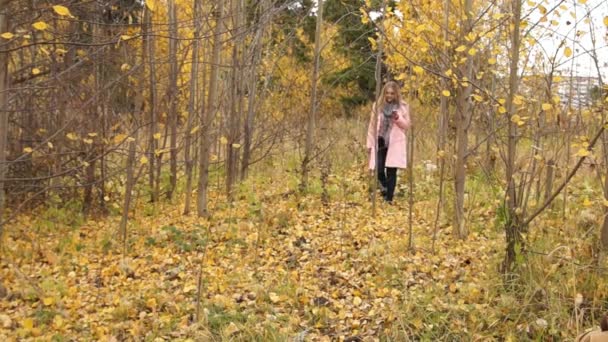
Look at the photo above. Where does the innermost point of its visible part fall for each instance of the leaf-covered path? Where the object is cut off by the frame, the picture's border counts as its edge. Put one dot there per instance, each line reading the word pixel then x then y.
pixel 275 266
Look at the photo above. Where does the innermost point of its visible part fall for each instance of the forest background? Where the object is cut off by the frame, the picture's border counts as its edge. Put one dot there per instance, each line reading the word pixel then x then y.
pixel 193 170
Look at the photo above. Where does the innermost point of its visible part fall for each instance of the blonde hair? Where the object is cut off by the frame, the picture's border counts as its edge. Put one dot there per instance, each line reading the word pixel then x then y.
pixel 396 88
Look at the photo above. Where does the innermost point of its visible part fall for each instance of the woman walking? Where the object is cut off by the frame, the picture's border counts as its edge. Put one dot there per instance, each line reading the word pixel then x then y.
pixel 386 143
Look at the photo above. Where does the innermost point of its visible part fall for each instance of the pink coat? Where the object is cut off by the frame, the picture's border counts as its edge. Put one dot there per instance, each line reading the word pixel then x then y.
pixel 397 148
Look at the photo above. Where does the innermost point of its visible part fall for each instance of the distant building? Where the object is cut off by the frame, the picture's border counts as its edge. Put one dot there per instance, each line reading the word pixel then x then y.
pixel 577 91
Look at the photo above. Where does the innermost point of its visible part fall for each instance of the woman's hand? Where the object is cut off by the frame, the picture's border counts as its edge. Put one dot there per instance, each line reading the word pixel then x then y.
pixel 395 115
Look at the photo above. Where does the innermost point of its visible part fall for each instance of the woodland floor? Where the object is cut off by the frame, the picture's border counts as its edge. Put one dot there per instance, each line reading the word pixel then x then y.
pixel 276 266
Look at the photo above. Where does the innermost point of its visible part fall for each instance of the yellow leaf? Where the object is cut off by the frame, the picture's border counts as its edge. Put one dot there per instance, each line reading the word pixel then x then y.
pixel 502 109
pixel 583 152
pixel 7 35
pixel 195 129
pixel 62 10
pixel 156 136
pixel 230 330
pixel 48 301
pixel 606 21
pixel 515 118
pixel 151 303
pixel 125 67
pixel 582 1
pixel 274 297
pixel 587 203
pixel 27 150
pixel 125 37
pixel 357 301
pixel 72 136
pixel 213 157
pixel 57 321
pixel 461 48
pixel 518 100
pixel 150 4
pixel 236 146
pixel 446 93
pixel 119 138
pixel 223 140
pixel 477 98
pixel 40 25
pixel 49 144
pixel 472 51
pixel 189 288
pixel 418 69
pixel 27 323
pixel 92 134
pixel 605 202
pixel 87 141
pixel 547 106
pixel 568 52
pixel 143 160
pixel 35 71
pixel 372 42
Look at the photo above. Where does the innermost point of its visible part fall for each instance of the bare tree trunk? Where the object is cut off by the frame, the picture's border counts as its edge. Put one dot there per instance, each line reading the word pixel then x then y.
pixel 513 228
pixel 596 62
pixel 213 104
pixel 3 117
pixel 252 93
pixel 410 170
pixel 310 127
pixel 378 77
pixel 463 121
pixel 443 124
pixel 173 115
pixel 128 194
pixel 152 142
pixel 236 98
pixel 192 112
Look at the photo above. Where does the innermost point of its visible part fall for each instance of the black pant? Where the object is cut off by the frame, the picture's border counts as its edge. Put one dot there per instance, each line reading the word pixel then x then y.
pixel 387 176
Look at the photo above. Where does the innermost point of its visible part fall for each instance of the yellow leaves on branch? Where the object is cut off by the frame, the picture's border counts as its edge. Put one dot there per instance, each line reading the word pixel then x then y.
pixel 119 138
pixel 72 136
pixel 62 11
pixel 40 25
pixel 517 120
pixel 151 4
pixel 583 152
